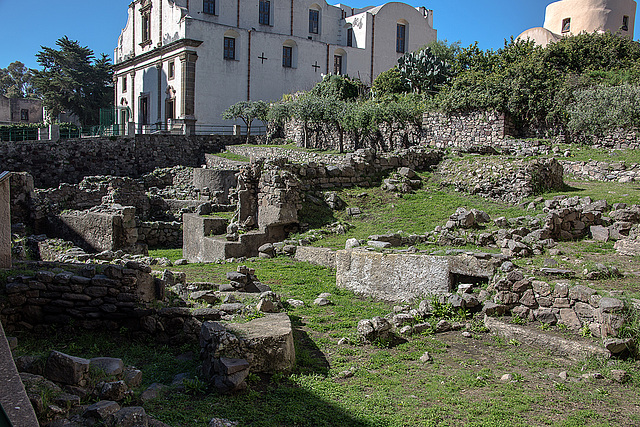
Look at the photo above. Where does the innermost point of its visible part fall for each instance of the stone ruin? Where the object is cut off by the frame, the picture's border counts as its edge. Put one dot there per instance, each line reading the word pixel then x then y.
pixel 5 221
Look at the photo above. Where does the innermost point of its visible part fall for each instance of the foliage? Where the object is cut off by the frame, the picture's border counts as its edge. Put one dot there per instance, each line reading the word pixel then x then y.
pixel 279 113
pixel 338 87
pixel 423 71
pixel 389 82
pixel 72 79
pixel 534 84
pixel 16 81
pixel 604 108
pixel 247 111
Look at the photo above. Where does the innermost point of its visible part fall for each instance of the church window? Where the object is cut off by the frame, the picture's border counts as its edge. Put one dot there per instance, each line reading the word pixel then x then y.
pixel 400 38
pixel 209 7
pixel 349 36
pixel 24 115
pixel 172 69
pixel 314 21
pixel 229 48
pixel 124 84
pixel 265 12
pixel 146 27
pixel 287 56
pixel 625 23
pixel 337 65
pixel 566 25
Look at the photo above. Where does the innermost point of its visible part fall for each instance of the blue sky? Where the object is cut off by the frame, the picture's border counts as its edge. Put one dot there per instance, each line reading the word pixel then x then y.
pixel 29 24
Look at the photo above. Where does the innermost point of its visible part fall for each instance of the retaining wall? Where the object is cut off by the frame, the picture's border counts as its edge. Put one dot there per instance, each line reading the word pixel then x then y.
pixel 52 163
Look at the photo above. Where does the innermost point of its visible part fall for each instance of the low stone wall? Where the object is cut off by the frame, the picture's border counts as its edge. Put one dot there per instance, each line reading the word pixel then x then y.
pixel 465 130
pixel 387 138
pixel 619 139
pixel 160 234
pixel 97 297
pixel 52 163
pixel 94 296
pixel 294 156
pixel 362 168
pixel 602 171
pixel 403 277
pixel 502 179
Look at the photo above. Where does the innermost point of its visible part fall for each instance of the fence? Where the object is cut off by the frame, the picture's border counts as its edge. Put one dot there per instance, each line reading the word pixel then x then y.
pixel 18 134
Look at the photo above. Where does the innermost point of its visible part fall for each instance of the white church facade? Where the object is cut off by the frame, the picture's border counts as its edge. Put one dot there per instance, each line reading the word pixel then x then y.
pixel 570 17
pixel 183 62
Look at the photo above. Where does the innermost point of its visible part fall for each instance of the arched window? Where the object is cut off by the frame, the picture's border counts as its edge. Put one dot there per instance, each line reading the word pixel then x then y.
pixel 402 36
pixel 289 54
pixel 315 19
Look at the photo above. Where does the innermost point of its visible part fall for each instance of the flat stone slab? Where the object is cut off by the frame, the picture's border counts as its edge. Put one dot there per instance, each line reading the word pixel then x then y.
pixel 575 350
pixel 271 340
pixel 13 397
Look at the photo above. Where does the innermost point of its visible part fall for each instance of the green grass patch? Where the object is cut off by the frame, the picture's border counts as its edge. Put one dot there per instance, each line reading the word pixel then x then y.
pixel 232 156
pixel 172 254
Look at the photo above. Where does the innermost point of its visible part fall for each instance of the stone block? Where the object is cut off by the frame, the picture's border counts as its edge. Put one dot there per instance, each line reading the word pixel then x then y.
pixel 109 365
pixel 66 369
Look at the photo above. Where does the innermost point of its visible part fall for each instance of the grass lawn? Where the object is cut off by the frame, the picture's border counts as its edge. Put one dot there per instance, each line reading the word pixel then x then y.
pixel 389 386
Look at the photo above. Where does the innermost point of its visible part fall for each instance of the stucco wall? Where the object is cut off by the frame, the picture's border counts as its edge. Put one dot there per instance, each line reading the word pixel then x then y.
pixel 258 52
pixel 591 15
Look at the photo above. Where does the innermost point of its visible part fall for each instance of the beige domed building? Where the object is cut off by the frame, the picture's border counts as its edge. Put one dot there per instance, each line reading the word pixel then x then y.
pixel 571 17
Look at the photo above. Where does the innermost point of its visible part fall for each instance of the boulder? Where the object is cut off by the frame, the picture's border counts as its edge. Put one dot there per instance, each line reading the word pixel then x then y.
pixel 109 365
pixel 133 416
pixel 65 369
pixel 101 410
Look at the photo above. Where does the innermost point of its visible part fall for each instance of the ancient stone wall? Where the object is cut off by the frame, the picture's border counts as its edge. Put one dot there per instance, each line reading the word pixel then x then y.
pixel 602 171
pixel 327 137
pixel 160 234
pixel 502 179
pixel 52 163
pixel 464 130
pixel 294 156
pixel 97 297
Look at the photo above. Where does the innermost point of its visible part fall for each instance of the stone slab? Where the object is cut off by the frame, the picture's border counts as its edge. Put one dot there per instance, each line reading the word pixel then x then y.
pixel 319 256
pixel 575 350
pixel 392 277
pixel 13 396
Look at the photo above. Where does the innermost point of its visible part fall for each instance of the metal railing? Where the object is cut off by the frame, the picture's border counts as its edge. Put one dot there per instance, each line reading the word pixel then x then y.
pixel 10 134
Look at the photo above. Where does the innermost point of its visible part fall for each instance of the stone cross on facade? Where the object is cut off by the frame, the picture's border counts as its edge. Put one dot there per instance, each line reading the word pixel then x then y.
pixel 316 66
pixel 262 57
pixel 5 221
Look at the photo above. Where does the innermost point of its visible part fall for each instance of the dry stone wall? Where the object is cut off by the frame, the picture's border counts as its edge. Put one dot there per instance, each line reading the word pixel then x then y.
pixel 97 297
pixel 602 171
pixel 327 137
pixel 52 163
pixel 502 179
pixel 465 130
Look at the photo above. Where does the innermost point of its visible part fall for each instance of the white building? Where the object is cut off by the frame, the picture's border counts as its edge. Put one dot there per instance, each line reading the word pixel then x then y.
pixel 570 17
pixel 186 61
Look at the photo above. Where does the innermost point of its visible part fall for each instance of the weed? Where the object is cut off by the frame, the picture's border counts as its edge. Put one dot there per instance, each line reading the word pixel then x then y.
pixel 514 342
pixel 516 320
pixel 585 332
pixel 544 326
pixel 194 386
